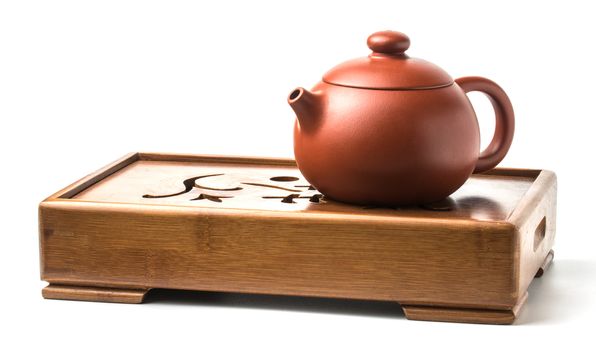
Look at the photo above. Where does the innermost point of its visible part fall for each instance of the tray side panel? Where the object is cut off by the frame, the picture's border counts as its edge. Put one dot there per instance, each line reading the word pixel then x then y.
pixel 95 177
pixel 416 263
pixel 535 219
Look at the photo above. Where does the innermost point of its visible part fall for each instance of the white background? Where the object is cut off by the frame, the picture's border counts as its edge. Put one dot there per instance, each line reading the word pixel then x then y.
pixel 84 82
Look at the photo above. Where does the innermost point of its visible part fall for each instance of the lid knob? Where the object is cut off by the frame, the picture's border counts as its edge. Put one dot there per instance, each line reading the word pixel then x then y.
pixel 388 42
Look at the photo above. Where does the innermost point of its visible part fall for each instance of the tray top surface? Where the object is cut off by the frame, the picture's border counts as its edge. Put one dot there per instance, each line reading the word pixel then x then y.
pixel 222 183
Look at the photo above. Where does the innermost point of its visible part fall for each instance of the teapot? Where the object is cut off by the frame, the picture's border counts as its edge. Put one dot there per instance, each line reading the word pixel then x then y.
pixel 391 130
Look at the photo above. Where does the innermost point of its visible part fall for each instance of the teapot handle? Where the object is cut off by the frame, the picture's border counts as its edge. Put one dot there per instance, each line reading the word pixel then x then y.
pixel 504 125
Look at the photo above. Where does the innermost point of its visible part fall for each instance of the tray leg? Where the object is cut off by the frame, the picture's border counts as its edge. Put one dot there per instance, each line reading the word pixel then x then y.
pixel 84 293
pixel 545 265
pixel 447 314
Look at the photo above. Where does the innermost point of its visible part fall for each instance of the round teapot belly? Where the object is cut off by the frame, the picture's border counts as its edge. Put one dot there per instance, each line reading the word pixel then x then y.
pixel 388 147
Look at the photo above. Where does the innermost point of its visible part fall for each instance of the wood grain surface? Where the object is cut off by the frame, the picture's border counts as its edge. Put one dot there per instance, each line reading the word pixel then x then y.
pixel 254 225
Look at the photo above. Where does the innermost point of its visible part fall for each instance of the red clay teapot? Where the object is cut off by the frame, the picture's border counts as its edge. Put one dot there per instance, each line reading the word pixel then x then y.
pixel 389 129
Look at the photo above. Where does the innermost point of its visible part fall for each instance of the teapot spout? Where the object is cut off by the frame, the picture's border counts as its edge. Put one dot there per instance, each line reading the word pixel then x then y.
pixel 306 105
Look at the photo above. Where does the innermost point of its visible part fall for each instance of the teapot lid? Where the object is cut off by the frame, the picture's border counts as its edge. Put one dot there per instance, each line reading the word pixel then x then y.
pixel 388 67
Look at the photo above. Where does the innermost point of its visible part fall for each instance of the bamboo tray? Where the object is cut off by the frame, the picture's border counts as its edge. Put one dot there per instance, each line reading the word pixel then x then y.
pixel 256 226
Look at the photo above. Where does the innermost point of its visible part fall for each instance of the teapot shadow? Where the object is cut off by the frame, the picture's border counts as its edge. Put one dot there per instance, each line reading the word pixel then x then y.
pixel 481 207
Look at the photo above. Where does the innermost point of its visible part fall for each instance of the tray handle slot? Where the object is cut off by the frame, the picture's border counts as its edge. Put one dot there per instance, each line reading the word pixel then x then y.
pixel 539 233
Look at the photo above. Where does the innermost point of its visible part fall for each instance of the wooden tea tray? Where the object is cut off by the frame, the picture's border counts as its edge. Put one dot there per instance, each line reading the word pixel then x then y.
pixel 256 226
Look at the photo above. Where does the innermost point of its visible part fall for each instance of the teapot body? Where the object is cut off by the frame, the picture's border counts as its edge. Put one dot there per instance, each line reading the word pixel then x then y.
pixel 390 129
pixel 387 147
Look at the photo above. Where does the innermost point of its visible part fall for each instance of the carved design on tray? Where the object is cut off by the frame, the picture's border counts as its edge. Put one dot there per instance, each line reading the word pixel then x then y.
pixel 206 190
pixel 209 186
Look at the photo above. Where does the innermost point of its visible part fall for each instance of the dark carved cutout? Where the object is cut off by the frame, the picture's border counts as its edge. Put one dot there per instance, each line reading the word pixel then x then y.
pixel 218 189
pixel 284 178
pixel 315 198
pixel 271 186
pixel 210 198
pixel 290 198
pixel 308 187
pixel 191 183
pixel 188 186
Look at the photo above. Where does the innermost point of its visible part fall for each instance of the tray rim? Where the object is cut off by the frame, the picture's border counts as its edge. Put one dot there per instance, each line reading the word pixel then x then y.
pixel 541 179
